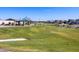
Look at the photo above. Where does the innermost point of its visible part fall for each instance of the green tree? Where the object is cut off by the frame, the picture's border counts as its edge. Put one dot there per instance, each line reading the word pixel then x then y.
pixel 27 20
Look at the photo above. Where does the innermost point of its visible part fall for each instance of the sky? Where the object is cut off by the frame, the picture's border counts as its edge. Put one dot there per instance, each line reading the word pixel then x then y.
pixel 40 13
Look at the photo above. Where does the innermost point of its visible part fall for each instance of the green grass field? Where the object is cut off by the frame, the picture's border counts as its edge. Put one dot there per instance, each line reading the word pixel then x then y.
pixel 42 38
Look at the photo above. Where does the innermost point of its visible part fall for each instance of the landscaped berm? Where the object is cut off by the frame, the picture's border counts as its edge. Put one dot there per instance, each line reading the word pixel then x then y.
pixel 41 39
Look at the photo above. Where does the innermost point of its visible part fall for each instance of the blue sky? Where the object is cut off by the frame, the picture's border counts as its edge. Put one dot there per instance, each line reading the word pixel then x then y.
pixel 40 13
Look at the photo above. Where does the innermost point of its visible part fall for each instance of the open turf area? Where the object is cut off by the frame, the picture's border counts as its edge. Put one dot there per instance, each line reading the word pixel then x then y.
pixel 41 38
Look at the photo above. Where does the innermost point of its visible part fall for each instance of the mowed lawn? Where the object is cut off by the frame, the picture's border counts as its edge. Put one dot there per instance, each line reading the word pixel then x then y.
pixel 41 38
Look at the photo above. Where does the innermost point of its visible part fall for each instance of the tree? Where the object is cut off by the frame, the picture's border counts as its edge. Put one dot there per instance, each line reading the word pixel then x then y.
pixel 27 19
pixel 48 21
pixel 65 22
pixel 71 21
pixel 77 21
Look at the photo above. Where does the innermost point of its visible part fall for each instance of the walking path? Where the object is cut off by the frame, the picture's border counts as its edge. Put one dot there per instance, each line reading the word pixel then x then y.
pixel 6 40
pixel 16 39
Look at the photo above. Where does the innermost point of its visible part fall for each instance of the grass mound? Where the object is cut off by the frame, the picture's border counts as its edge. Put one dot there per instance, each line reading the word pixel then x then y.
pixel 42 38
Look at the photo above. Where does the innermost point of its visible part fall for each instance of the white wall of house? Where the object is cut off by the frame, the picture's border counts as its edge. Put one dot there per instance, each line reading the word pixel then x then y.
pixel 6 22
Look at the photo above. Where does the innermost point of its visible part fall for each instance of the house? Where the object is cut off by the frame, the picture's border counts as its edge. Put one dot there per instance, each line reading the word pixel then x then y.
pixel 6 22
pixel 11 22
pixel 63 25
pixel 74 26
pixel 19 23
